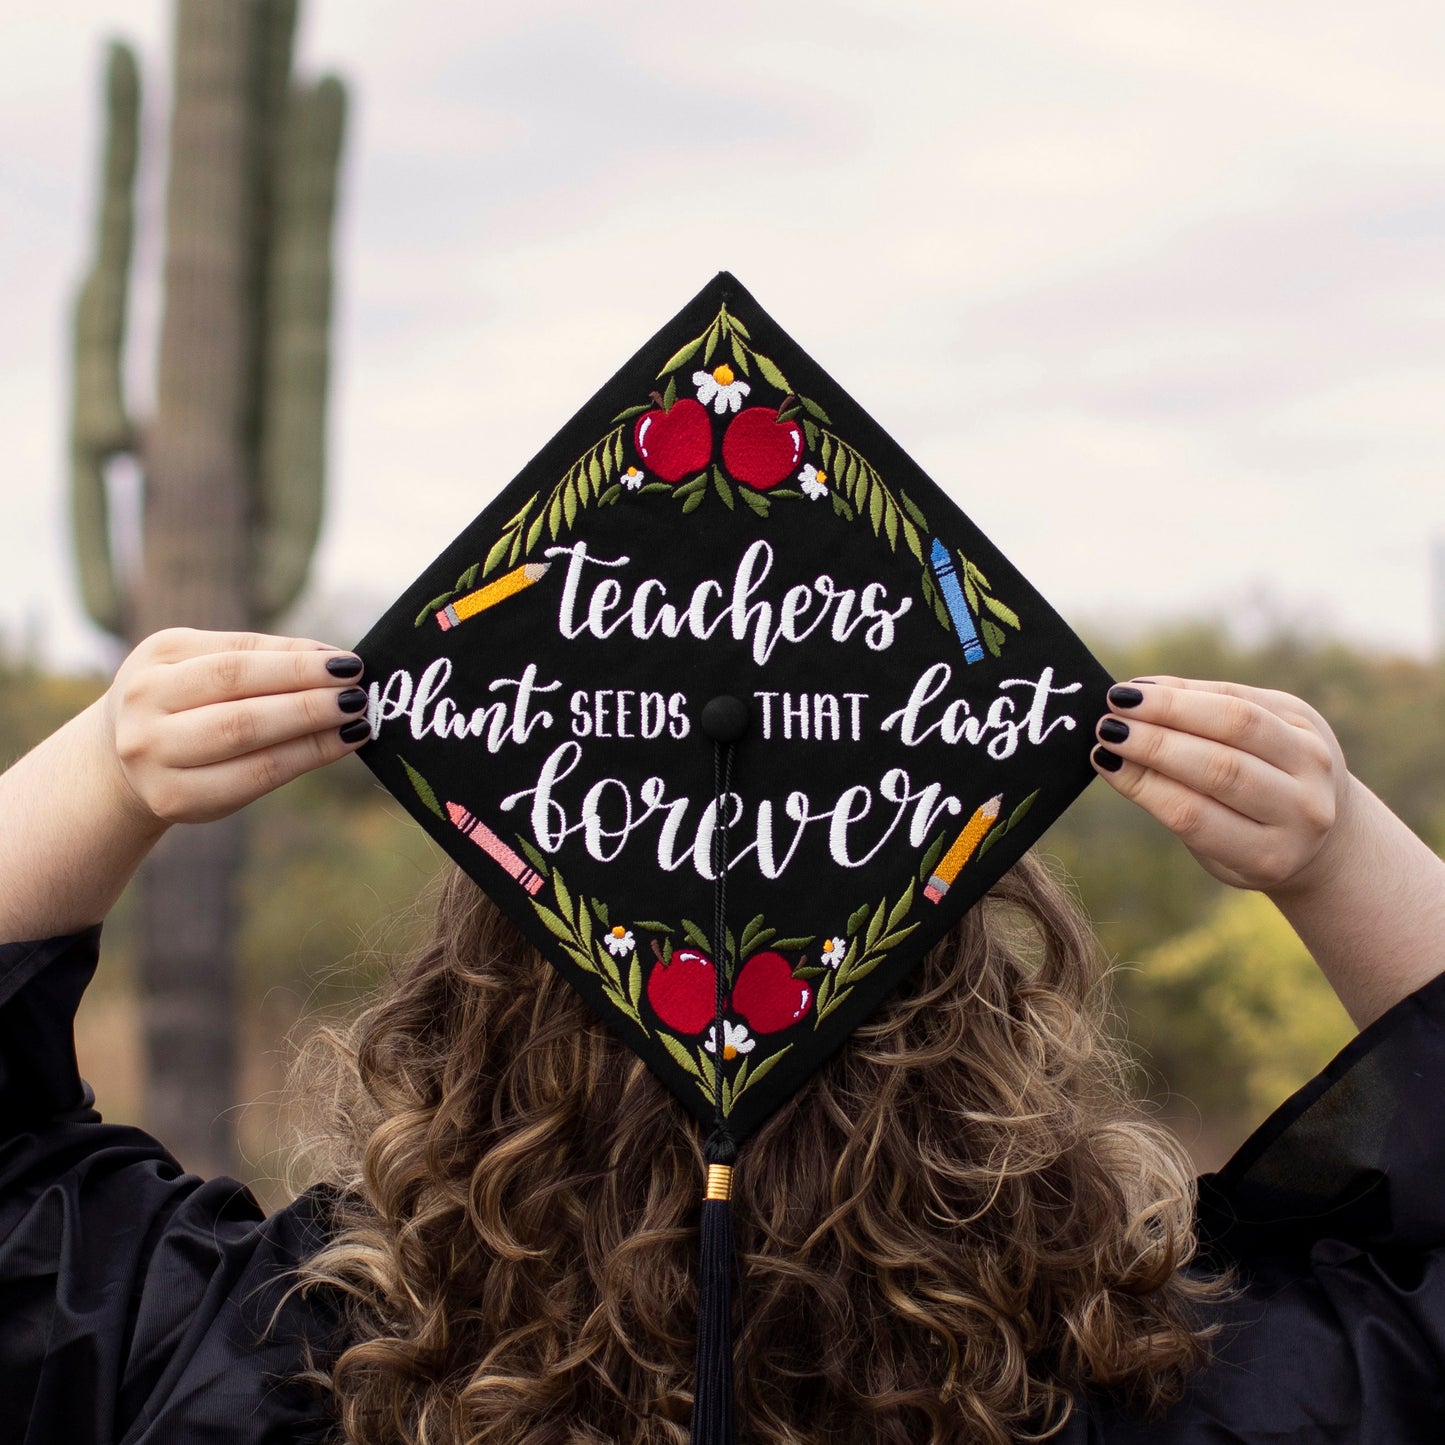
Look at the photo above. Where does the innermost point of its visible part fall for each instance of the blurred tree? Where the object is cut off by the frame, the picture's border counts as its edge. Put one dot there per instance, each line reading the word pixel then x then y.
pixel 233 459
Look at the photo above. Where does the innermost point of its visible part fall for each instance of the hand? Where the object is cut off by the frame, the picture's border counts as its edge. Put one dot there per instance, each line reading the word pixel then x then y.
pixel 1252 782
pixel 201 723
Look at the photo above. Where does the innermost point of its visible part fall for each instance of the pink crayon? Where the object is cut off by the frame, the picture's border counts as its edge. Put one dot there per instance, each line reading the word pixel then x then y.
pixel 494 848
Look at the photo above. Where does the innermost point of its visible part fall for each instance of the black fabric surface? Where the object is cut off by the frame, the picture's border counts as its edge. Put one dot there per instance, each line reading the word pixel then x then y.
pixel 133 1296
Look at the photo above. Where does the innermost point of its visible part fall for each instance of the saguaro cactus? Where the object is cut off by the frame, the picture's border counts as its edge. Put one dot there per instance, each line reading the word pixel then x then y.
pixel 232 462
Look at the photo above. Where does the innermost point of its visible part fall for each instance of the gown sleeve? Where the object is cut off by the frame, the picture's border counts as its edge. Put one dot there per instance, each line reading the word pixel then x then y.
pixel 136 1300
pixel 1332 1216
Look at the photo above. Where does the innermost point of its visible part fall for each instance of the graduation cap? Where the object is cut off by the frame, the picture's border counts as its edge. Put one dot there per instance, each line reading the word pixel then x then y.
pixel 734 713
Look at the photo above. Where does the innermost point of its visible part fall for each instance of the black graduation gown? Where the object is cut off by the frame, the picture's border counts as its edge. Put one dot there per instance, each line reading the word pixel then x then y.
pixel 133 1296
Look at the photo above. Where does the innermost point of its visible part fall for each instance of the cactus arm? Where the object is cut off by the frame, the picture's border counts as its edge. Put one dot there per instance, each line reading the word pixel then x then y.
pixel 100 427
pixel 292 461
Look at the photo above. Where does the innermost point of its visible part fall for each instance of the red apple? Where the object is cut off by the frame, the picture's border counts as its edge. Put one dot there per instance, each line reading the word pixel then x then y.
pixel 683 992
pixel 767 995
pixel 676 442
pixel 759 450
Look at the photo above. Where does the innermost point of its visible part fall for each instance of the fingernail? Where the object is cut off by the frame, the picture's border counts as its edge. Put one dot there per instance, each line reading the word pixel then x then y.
pixel 354 699
pixel 1103 758
pixel 353 732
pixel 1125 696
pixel 346 665
pixel 1111 729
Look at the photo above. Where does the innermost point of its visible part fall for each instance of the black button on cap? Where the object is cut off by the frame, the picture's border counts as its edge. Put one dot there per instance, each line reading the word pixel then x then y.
pixel 725 719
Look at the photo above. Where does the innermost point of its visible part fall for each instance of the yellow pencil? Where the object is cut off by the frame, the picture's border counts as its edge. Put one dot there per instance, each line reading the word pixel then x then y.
pixel 963 848
pixel 455 613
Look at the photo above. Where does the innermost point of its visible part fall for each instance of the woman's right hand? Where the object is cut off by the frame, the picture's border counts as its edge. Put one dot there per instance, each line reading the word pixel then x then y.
pixel 202 723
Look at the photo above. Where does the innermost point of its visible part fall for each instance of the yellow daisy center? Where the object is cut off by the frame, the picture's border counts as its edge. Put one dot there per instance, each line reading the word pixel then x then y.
pixel 828 947
pixel 619 931
pixel 821 477
pixel 729 1052
pixel 633 472
pixel 723 375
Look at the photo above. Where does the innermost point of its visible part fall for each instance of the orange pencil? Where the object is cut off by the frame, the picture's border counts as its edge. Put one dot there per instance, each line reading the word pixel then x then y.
pixel 963 848
pixel 455 613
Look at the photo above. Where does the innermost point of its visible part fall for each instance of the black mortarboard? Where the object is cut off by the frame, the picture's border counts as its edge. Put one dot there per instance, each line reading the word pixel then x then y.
pixel 735 713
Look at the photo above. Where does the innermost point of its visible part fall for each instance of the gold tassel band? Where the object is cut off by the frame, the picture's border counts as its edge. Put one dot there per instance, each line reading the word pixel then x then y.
pixel 719 1182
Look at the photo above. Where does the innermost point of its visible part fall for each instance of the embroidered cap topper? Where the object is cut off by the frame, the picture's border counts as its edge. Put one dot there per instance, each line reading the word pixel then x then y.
pixel 729 707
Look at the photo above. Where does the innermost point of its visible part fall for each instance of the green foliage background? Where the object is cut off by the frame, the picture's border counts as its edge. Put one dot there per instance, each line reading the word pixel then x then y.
pixel 1220 1002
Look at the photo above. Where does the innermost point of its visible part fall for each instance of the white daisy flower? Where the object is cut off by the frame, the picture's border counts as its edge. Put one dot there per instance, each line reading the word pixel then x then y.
pixel 815 483
pixel 735 1040
pixel 633 478
pixel 619 941
pixel 833 951
pixel 720 387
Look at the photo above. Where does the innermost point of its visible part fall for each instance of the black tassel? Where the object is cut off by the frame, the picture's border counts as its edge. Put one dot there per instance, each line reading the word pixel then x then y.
pixel 712 1409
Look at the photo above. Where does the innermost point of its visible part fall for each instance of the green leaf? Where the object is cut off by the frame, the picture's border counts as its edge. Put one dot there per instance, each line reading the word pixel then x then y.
pixel 720 483
pixel 692 503
pixel 740 356
pixel 498 551
pixel 875 507
pixel 629 412
pixel 432 607
pixel 792 945
pixel 569 503
pixel 652 489
pixel 810 972
pixel 890 524
pixel 771 374
pixel 651 925
pixel 534 532
pixel 929 861
pixel 1004 614
pixel 911 507
pixel 891 940
pixel 754 927
pixel 534 857
pixel 990 838
pixel 788 413
pixel 900 909
pixel 695 936
pixel 856 920
pixel 825 449
pixel 764 937
pixel 516 549
pixel 811 432
pixel 423 788
pixel 600 909
pixel 824 993
pixel 1017 816
pixel 791 493
pixel 875 928
pixel 616 451
pixel 992 637
pixel 670 395
pixel 594 472
pixel 735 325
pixel 970 593
pixel 554 515
pixel 554 925
pixel 755 500
pixel 714 335
pixel 841 507
pixel 634 981
pixel 941 612
pixel 680 1055
pixel 816 410
pixel 761 1072
pixel 694 484
pixel 610 495
pixel 910 536
pixel 467 579
pixel 682 354
pixel 564 898
pixel 517 518
pixel 971 571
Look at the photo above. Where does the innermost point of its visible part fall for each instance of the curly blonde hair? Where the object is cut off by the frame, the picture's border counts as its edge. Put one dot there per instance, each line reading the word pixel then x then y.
pixel 960 1222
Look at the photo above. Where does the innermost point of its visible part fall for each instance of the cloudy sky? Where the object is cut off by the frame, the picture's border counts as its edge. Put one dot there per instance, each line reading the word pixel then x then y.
pixel 1155 288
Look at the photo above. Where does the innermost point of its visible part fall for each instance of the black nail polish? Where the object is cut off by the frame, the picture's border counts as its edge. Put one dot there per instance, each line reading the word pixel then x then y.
pixel 346 665
pixel 1122 696
pixel 1111 729
pixel 1103 758
pixel 352 700
pixel 353 732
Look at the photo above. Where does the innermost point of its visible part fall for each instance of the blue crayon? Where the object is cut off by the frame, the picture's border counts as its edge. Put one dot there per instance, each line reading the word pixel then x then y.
pixel 954 600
